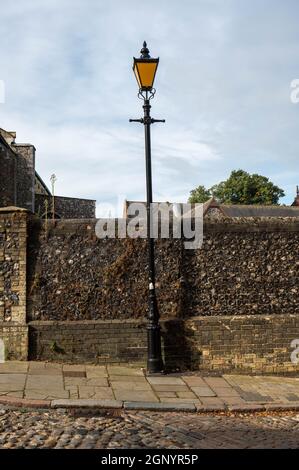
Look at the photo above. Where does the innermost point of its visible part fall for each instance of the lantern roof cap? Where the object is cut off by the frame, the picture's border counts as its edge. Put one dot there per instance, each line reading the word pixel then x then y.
pixel 144 52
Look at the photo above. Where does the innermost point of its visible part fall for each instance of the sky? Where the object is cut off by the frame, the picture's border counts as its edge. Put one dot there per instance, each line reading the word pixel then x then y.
pixel 223 87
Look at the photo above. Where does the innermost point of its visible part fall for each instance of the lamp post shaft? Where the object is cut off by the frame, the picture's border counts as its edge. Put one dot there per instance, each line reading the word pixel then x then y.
pixel 154 357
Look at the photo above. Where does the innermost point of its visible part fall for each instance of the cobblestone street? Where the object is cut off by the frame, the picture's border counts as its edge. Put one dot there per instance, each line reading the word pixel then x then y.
pixel 62 429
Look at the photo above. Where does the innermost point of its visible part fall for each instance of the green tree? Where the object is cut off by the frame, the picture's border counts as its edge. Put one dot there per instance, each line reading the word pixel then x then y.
pixel 199 194
pixel 241 188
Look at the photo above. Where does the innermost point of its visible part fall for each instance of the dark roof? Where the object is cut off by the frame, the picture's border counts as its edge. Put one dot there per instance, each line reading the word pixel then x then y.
pixel 235 210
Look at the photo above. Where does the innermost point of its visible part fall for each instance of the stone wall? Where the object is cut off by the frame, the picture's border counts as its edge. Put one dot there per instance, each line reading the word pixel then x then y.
pixel 65 207
pixel 245 267
pixel 7 176
pixel 25 175
pixel 231 306
pixel 13 245
pixel 75 276
pixel 241 344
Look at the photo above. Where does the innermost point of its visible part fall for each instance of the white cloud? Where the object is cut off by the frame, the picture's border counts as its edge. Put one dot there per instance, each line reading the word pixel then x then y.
pixel 223 86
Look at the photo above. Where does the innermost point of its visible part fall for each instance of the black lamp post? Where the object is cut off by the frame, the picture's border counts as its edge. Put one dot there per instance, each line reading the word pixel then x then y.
pixel 145 70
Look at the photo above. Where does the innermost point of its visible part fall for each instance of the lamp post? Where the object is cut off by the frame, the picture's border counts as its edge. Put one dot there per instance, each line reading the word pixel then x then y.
pixel 145 70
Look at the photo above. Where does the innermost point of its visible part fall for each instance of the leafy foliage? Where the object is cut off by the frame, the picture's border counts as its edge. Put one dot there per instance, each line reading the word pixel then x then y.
pixel 240 188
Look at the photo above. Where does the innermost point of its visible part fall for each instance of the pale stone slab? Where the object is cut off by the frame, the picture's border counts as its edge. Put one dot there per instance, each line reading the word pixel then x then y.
pixel 43 394
pixel 73 391
pixel 170 388
pixel 130 395
pixel 14 382
pixel 18 394
pixel 165 380
pixel 187 395
pixel 95 392
pixel 44 371
pixel 73 368
pixel 95 382
pixel 180 400
pixel 96 371
pixel 127 378
pixel 216 381
pixel 167 394
pixel 122 370
pixel 13 367
pixel 46 382
pixel 36 365
pixel 53 365
pixel 194 381
pixel 122 385
pixel 227 392
pixel 203 391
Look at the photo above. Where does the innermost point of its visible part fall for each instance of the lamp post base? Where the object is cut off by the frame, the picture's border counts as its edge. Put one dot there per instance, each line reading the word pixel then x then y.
pixel 154 360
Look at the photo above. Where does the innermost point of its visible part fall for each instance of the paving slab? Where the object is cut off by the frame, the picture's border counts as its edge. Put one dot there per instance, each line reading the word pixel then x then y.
pixel 203 391
pixel 170 388
pixel 36 365
pixel 10 393
pixel 96 371
pixel 216 381
pixel 194 381
pixel 167 394
pixel 122 385
pixel 226 392
pixel 42 382
pixel 13 367
pixel 122 370
pixel 46 394
pixel 165 380
pixel 95 381
pixel 130 395
pixel 44 371
pixel 53 365
pixel 127 378
pixel 73 368
pixel 187 395
pixel 73 391
pixel 95 392
pixel 46 382
pixel 14 382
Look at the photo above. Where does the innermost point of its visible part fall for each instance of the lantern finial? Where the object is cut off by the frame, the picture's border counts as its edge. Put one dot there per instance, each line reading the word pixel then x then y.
pixel 144 52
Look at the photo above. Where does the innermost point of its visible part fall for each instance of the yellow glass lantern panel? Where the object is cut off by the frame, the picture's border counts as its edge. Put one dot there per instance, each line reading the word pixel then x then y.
pixel 145 71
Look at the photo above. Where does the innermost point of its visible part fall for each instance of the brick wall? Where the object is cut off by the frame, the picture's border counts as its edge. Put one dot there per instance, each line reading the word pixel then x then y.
pixel 15 339
pixel 13 245
pixel 241 344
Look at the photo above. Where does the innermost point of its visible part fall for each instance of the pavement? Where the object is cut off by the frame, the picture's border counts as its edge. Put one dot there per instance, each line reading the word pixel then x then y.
pixel 53 385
